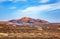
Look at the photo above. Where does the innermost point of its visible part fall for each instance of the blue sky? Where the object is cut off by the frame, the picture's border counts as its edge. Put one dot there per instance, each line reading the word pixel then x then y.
pixel 43 9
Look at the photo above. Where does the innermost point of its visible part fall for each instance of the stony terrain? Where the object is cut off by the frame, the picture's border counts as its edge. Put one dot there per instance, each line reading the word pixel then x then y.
pixel 26 29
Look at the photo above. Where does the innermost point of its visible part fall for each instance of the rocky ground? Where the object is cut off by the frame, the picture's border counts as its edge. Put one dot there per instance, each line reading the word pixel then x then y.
pixel 30 31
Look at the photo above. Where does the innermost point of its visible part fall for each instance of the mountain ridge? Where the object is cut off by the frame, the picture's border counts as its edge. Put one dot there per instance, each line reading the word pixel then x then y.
pixel 25 20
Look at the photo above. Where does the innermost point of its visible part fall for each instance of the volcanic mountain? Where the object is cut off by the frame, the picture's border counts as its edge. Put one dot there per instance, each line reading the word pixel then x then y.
pixel 24 20
pixel 27 20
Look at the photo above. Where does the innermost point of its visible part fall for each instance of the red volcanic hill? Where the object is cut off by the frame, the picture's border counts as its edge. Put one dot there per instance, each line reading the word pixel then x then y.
pixel 26 20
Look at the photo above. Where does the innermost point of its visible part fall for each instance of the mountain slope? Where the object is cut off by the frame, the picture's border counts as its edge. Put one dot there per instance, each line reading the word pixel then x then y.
pixel 28 20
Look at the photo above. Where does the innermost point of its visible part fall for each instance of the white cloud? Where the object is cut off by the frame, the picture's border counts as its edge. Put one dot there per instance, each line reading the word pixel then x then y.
pixel 30 11
pixel 34 9
pixel 44 1
pixel 40 8
pixel 55 6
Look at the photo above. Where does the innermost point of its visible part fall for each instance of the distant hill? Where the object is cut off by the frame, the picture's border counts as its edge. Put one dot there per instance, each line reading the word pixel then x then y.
pixel 27 20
